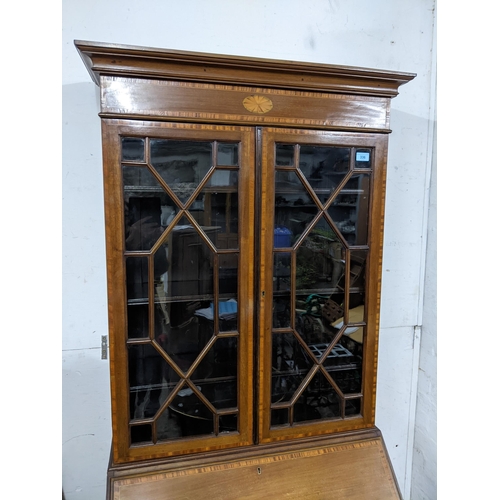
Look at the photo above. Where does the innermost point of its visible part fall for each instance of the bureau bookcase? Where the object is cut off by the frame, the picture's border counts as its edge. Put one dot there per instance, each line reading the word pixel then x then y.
pixel 244 209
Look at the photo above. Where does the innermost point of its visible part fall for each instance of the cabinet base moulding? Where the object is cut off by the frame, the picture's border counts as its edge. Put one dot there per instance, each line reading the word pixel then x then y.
pixel 350 469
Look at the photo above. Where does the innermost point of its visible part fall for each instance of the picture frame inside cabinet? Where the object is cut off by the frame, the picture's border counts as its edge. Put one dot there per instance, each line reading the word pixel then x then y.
pixel 244 210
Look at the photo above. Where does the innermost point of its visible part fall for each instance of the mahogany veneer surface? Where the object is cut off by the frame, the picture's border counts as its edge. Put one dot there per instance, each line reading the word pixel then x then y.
pixel 356 470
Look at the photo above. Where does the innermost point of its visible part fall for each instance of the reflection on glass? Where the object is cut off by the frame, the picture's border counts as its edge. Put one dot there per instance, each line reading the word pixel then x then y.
pixel 318 401
pixel 281 286
pixel 284 155
pixel 217 206
pixel 219 363
pixel 320 260
pixel 228 423
pixel 186 416
pixel 181 164
pixel 185 338
pixel 149 377
pixel 223 178
pixel 324 167
pixel 228 289
pixel 140 178
pixel 223 394
pixel 148 209
pixel 227 154
pixel 356 307
pixel 350 209
pixel 137 296
pixel 346 368
pixel 132 149
pixel 294 209
pixel 290 364
pixel 191 261
pixel 357 269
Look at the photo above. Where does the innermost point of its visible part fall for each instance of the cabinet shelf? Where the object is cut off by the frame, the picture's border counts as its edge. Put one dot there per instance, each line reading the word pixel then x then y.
pixel 180 298
pixel 300 190
pixel 159 189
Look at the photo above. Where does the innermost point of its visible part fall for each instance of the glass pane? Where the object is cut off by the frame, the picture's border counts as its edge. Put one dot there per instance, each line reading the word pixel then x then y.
pixel 184 338
pixel 228 315
pixel 222 394
pixel 290 364
pixel 186 416
pixel 216 209
pixel 280 417
pixel 150 379
pixel 344 363
pixel 363 158
pixel 284 155
pixel 217 373
pixel 353 407
pixel 227 154
pixel 310 323
pixel 294 209
pixel 320 259
pixel 181 164
pixel 168 425
pixel 190 263
pixel 132 149
pixel 147 208
pixel 228 423
pixel 137 296
pixel 356 309
pixel 324 167
pixel 138 320
pixel 357 269
pixel 141 434
pixel 281 287
pixel 350 209
pixel 318 401
pixel 222 178
pixel 137 278
pixel 228 275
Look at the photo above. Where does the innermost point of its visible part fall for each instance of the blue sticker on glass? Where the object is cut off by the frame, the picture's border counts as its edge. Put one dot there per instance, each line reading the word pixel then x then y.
pixel 362 156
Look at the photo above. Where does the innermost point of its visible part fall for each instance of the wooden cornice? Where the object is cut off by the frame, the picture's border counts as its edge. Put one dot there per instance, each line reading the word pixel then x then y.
pixel 143 62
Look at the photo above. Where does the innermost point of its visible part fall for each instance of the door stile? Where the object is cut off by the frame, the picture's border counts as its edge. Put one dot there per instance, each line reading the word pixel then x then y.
pixel 265 281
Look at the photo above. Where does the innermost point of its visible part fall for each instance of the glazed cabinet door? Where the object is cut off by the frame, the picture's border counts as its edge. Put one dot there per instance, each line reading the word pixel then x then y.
pixel 320 255
pixel 179 203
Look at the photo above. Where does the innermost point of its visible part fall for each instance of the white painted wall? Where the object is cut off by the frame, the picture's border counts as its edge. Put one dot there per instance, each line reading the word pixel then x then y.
pixel 424 480
pixel 387 34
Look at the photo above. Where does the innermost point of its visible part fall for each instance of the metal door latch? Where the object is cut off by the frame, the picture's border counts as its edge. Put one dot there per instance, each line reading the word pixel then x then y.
pixel 104 347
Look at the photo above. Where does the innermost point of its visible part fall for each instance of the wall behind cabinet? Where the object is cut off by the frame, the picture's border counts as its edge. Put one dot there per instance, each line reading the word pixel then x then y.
pixel 388 34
